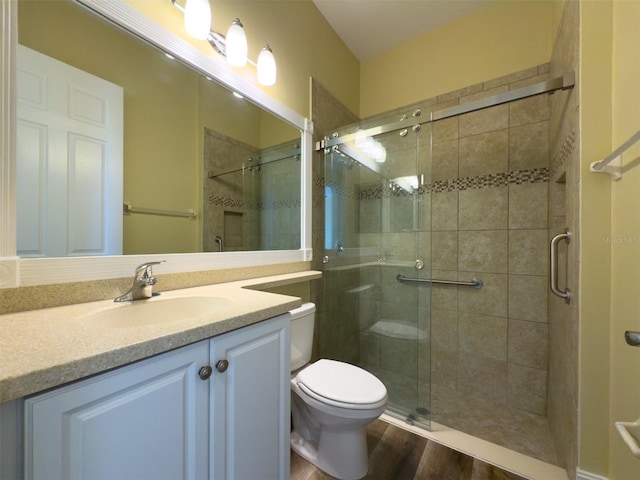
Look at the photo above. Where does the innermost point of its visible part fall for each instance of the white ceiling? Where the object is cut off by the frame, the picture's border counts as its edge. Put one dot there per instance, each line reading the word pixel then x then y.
pixel 369 27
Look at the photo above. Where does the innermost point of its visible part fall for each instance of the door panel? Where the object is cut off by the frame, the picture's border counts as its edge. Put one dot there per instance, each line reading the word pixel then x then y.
pixel 69 186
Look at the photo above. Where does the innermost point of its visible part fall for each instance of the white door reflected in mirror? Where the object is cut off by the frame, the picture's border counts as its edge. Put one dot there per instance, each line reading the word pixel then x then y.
pixel 70 160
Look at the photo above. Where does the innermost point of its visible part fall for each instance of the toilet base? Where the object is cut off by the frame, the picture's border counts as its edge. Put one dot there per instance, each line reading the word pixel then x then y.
pixel 342 454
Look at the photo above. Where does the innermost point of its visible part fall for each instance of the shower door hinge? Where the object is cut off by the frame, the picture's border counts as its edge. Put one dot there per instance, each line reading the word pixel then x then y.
pixel 319 145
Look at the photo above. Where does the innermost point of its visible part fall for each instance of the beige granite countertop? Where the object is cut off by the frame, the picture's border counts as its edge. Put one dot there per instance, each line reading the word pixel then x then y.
pixel 41 349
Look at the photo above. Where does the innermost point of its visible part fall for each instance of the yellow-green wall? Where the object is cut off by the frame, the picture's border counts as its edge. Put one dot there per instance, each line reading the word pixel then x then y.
pixel 301 39
pixel 164 118
pixel 610 233
pixel 595 221
pixel 625 231
pixel 498 39
pixel 62 31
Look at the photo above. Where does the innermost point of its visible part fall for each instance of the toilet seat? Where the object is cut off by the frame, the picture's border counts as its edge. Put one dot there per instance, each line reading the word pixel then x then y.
pixel 342 385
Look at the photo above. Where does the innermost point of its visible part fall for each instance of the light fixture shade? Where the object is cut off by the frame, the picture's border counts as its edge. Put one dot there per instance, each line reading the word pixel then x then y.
pixel 266 67
pixel 236 44
pixel 197 18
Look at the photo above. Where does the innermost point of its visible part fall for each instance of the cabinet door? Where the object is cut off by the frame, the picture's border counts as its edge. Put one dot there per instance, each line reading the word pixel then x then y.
pixel 250 402
pixel 148 420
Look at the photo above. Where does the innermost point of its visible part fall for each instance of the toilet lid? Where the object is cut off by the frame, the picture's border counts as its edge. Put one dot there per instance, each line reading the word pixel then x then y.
pixel 342 382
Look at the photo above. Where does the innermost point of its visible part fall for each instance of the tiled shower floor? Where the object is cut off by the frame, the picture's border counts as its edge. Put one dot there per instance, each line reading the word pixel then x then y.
pixel 517 430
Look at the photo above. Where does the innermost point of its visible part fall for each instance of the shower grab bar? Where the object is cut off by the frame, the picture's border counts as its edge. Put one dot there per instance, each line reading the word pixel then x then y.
pixel 474 283
pixel 553 271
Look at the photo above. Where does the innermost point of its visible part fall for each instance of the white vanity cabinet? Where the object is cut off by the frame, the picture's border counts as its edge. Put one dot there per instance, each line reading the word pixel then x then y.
pixel 158 419
pixel 250 402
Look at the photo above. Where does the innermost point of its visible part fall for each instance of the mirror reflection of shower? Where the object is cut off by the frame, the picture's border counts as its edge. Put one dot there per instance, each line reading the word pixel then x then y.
pixel 251 196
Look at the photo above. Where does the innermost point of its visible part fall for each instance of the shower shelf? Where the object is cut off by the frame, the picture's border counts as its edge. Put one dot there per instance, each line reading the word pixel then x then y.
pixel 612 164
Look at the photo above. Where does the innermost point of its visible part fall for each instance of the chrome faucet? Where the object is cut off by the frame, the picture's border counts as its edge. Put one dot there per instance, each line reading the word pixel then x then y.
pixel 143 282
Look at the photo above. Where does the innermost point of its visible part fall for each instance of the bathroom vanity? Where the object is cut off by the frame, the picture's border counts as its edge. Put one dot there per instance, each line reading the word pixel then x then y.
pixel 211 400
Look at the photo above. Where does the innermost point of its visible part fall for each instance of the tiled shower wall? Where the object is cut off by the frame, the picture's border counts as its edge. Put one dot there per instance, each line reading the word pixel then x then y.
pixel 482 214
pixel 564 214
pixel 254 209
pixel 222 208
pixel 489 221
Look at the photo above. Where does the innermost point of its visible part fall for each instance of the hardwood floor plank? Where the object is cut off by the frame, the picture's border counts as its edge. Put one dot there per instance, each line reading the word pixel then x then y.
pixel 396 454
pixel 441 463
pixel 484 471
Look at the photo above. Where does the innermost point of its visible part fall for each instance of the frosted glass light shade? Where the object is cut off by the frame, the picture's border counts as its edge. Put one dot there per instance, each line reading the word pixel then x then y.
pixel 266 67
pixel 197 18
pixel 236 44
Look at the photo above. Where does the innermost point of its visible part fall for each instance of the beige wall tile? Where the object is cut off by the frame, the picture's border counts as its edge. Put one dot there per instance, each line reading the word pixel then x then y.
pixel 484 153
pixel 529 344
pixel 444 329
pixel 513 77
pixel 401 213
pixel 483 335
pixel 424 249
pixel 528 251
pixel 444 368
pixel 482 121
pixel 369 350
pixel 529 146
pixel 444 211
pixel 483 208
pixel 528 389
pixel 461 92
pixel 445 160
pixel 443 130
pixel 444 296
pixel 393 291
pixel 487 92
pixel 399 246
pixel 370 216
pixel 444 250
pixel 528 297
pixel 491 299
pixel 424 212
pixel 529 110
pixel 528 205
pixel 483 251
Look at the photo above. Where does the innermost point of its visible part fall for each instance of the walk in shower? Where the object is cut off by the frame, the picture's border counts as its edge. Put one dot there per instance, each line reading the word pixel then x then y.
pixel 254 207
pixel 435 257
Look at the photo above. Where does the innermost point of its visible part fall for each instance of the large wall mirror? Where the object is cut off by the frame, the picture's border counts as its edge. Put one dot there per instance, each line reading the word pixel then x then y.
pixel 132 144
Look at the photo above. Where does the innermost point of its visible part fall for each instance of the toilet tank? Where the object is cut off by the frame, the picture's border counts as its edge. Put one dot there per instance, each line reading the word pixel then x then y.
pixel 302 320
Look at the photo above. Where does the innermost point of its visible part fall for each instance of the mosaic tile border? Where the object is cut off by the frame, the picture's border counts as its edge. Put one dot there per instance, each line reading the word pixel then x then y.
pixel 502 179
pixel 220 201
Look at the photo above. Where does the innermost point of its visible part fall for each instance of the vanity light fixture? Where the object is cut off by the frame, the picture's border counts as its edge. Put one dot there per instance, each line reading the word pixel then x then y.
pixel 233 46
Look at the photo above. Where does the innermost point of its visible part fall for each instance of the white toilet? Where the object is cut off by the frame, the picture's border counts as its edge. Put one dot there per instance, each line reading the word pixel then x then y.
pixel 331 403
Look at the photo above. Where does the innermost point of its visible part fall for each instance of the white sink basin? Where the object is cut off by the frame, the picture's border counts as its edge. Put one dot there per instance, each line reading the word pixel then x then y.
pixel 154 311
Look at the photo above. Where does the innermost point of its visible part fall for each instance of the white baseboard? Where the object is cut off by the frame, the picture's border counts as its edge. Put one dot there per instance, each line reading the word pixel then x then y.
pixel 582 475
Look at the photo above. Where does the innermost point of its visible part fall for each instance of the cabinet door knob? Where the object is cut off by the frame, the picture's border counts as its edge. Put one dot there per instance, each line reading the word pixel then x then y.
pixel 222 365
pixel 205 372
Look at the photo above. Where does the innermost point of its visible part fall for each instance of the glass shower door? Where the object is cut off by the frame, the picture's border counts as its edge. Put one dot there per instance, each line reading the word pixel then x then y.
pixel 377 220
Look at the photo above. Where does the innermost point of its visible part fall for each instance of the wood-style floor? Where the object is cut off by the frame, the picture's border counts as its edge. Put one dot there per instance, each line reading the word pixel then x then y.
pixel 395 454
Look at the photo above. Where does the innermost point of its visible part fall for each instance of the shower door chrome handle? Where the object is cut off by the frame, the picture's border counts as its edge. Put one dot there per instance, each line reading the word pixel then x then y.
pixel 553 271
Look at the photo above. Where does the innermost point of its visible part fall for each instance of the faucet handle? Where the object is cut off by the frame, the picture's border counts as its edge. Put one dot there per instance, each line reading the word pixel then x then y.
pixel 145 268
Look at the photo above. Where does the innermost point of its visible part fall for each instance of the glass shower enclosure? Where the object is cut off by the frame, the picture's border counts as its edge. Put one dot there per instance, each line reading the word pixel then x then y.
pixel 376 249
